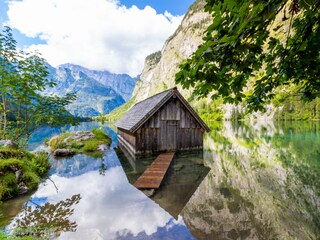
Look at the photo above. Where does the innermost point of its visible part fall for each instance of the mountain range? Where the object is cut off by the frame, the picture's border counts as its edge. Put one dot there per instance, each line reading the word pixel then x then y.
pixel 98 92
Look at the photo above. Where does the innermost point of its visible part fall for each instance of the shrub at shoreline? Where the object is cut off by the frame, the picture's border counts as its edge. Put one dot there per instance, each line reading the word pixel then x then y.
pixel 20 171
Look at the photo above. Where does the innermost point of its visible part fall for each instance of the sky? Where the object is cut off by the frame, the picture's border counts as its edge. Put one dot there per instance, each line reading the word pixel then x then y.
pixel 112 35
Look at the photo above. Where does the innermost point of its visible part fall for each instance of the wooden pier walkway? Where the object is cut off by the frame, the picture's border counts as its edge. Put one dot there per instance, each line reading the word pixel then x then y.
pixel 155 173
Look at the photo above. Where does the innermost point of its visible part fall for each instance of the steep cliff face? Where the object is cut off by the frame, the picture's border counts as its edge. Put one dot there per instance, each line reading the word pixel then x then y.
pixel 160 68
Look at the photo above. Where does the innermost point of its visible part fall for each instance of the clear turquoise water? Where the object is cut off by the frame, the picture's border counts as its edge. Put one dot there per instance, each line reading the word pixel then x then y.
pixel 253 181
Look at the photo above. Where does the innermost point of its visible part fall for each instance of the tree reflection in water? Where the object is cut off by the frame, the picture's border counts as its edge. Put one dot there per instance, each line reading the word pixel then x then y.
pixel 46 221
pixel 102 169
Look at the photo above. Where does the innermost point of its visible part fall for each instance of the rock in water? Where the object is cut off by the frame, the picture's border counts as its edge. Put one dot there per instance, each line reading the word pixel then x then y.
pixel 63 152
pixel 102 147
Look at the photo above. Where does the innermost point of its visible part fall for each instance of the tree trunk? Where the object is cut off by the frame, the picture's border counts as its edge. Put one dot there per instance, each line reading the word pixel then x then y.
pixel 4 109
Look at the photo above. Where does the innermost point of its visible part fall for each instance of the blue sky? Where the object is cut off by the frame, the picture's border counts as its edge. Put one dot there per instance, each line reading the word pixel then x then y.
pixel 98 34
pixel 22 40
pixel 175 7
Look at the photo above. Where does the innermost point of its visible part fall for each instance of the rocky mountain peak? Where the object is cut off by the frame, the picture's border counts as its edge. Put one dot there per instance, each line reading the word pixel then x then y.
pixel 98 92
pixel 82 75
pixel 123 84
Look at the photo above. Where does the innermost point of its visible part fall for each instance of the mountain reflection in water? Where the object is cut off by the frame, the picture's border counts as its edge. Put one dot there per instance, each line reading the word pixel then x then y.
pixel 263 184
pixel 254 181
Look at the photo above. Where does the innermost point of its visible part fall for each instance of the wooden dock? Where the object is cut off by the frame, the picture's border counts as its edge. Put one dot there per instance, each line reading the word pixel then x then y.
pixel 155 173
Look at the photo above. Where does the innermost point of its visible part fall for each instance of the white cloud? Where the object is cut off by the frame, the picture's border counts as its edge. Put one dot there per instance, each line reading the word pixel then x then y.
pixel 97 34
pixel 109 208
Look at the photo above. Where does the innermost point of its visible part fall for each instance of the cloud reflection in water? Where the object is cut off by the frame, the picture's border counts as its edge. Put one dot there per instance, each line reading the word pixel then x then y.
pixel 110 207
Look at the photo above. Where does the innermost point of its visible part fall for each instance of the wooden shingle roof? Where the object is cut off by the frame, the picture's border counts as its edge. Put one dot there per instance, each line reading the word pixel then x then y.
pixel 142 111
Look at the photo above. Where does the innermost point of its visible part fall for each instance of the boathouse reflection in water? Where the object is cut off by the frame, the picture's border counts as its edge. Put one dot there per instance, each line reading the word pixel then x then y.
pixel 185 174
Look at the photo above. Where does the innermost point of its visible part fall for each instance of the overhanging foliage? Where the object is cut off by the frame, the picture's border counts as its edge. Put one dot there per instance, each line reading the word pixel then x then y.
pixel 253 49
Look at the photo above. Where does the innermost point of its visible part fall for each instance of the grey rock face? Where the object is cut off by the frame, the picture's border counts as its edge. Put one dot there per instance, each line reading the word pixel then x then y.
pixel 160 67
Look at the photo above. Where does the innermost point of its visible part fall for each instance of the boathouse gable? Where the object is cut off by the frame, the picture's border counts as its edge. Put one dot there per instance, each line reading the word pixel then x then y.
pixel 164 122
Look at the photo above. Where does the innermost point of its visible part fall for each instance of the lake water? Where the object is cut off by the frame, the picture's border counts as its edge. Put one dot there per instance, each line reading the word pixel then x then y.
pixel 252 181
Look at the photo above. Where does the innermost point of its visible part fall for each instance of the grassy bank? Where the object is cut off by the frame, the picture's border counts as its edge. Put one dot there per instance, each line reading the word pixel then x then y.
pixel 20 171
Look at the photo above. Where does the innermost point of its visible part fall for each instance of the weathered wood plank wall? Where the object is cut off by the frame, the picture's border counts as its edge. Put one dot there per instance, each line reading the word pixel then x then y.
pixel 171 128
pixel 131 139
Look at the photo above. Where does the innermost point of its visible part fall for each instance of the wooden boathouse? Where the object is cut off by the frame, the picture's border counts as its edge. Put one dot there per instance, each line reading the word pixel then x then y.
pixel 163 122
